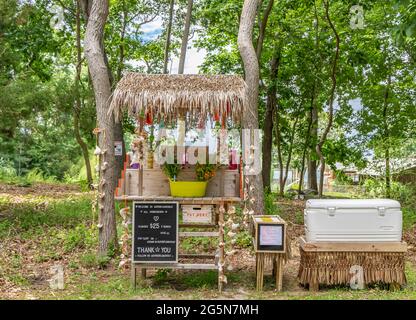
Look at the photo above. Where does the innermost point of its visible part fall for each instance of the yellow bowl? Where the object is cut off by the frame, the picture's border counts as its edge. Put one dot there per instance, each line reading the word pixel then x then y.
pixel 188 189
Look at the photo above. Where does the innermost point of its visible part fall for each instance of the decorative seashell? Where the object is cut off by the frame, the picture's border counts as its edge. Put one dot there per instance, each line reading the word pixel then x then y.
pixel 251 212
pixel 97 151
pixel 230 267
pixel 231 210
pixel 99 226
pixel 231 234
pixel 231 252
pixel 104 166
pixel 235 226
pixel 252 188
pixel 233 241
pixel 223 279
pixel 252 200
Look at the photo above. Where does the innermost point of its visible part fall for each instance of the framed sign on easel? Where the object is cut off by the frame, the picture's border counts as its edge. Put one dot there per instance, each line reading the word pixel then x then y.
pixel 269 241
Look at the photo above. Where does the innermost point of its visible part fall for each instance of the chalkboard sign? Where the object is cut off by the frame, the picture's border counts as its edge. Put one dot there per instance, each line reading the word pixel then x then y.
pixel 155 232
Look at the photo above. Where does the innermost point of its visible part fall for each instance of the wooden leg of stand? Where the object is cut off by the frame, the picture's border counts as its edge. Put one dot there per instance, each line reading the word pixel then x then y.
pixel 143 273
pixel 314 286
pixel 221 248
pixel 259 271
pixel 133 276
pixel 279 272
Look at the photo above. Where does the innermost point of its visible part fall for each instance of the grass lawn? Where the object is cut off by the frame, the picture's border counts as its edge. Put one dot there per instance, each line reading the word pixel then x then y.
pixel 56 226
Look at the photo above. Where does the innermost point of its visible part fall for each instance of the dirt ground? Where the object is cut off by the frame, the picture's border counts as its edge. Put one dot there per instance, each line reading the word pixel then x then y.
pixel 27 256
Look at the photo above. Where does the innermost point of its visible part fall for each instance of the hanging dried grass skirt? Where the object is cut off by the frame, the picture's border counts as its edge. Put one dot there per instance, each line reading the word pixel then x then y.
pixel 333 268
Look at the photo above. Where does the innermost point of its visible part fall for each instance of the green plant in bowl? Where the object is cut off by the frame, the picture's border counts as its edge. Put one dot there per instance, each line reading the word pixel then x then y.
pixel 172 170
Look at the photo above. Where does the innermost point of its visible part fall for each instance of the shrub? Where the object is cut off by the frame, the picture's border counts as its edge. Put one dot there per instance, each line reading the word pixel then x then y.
pixel 270 206
pixel 92 260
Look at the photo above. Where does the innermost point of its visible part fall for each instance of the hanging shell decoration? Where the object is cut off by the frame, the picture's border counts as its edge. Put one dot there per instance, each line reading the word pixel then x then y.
pixel 97 151
pixel 235 226
pixel 124 239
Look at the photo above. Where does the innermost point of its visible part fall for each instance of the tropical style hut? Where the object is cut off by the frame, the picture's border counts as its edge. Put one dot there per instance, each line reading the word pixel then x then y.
pixel 188 101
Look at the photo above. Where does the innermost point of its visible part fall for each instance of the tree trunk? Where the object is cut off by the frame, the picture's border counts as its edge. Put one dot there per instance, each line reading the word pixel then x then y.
pixel 279 152
pixel 252 73
pixel 168 36
pixel 386 142
pixel 118 126
pixel 262 28
pixel 185 37
pixel 77 107
pixel 306 146
pixel 289 156
pixel 331 102
pixel 312 165
pixel 268 122
pixel 102 88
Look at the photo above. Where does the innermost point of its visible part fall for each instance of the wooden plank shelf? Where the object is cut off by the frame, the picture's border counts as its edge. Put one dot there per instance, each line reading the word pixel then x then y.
pixel 353 246
pixel 197 226
pixel 183 266
pixel 204 200
pixel 198 234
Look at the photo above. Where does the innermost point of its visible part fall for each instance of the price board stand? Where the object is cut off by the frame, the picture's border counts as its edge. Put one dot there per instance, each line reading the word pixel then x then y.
pixel 271 247
pixel 220 204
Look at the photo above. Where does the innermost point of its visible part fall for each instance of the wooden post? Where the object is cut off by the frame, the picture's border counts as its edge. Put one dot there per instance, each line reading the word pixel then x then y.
pixel 259 271
pixel 221 247
pixel 133 276
pixel 279 272
pixel 140 180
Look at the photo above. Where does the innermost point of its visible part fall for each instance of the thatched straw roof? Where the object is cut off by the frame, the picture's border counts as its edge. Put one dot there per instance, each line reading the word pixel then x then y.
pixel 168 96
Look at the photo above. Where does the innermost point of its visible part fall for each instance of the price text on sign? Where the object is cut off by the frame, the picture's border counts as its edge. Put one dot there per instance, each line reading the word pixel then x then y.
pixel 155 232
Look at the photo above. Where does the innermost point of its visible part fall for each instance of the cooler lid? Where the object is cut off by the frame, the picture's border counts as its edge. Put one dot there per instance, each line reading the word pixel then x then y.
pixel 351 203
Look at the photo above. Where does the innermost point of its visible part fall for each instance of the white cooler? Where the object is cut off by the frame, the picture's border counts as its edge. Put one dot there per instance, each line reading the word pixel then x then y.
pixel 361 220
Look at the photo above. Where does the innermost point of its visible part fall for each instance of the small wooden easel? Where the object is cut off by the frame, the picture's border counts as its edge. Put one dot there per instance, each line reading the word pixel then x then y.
pixel 269 240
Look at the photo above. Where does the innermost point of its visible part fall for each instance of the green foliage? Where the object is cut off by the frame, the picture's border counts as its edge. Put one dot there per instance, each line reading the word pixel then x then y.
pixel 409 218
pixel 94 261
pixel 405 194
pixel 341 178
pixel 80 237
pixel 270 205
pixel 161 275
pixel 244 239
pixel 77 173
pixel 205 172
pixel 32 216
pixel 172 170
